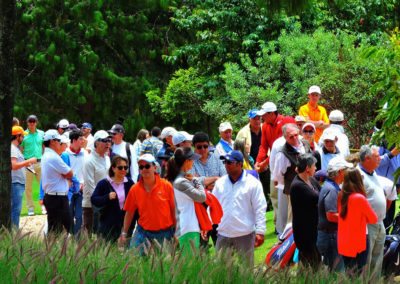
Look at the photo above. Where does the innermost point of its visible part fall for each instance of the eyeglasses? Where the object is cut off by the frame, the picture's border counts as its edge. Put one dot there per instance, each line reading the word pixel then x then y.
pixel 147 166
pixel 57 140
pixel 105 140
pixel 122 168
pixel 229 162
pixel 199 147
pixel 308 131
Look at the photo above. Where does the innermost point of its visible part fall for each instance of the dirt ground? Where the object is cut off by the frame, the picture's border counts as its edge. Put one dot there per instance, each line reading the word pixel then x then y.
pixel 34 224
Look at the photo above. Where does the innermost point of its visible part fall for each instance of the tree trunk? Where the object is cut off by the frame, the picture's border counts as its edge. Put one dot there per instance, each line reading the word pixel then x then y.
pixel 7 19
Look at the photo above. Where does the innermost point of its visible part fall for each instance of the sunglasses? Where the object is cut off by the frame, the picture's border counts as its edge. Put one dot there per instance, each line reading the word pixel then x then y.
pixel 226 162
pixel 147 166
pixel 308 131
pixel 57 140
pixel 199 147
pixel 105 140
pixel 122 168
pixel 31 121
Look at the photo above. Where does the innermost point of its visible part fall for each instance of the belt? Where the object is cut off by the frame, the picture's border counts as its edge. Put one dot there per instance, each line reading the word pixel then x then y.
pixel 57 193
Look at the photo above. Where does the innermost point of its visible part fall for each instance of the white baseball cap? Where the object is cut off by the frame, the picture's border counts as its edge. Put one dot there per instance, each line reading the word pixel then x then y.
pixel 147 158
pixel 51 134
pixel 181 136
pixel 101 134
pixel 336 116
pixel 329 135
pixel 267 107
pixel 63 123
pixel 225 126
pixel 314 89
pixel 338 163
pixel 167 131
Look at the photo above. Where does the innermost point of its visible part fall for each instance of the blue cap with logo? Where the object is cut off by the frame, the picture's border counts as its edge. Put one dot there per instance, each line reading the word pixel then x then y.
pixel 252 113
pixel 233 156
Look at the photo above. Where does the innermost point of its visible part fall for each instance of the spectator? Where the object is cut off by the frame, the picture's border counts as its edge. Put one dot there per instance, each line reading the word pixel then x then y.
pixel 252 133
pixel 336 120
pixel 142 135
pixel 18 164
pixel 328 214
pixel 304 192
pixel 285 163
pixel 188 190
pixel 315 113
pixel 123 149
pixel 243 224
pixel 110 195
pixel 329 149
pixel 167 150
pixel 355 212
pixel 75 157
pixel 369 162
pixel 153 144
pixel 95 169
pixel 225 144
pixel 55 183
pixel 87 134
pixel 153 198
pixel 32 147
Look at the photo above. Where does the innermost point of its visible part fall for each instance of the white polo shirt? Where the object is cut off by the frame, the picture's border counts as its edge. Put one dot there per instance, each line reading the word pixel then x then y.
pixel 243 204
pixel 53 167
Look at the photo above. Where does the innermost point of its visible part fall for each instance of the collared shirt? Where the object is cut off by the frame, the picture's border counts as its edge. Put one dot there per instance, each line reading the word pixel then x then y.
pixel 119 189
pixel 327 202
pixel 17 176
pixel 375 192
pixel 243 204
pixel 156 208
pixel 314 114
pixel 94 170
pixel 32 144
pixel 253 139
pixel 212 168
pixel 53 167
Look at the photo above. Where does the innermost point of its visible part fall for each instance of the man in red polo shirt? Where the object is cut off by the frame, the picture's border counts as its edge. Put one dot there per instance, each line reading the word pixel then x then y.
pixel 315 113
pixel 153 197
pixel 270 131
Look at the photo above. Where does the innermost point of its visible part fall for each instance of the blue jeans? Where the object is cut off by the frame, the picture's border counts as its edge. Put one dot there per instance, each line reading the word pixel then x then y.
pixel 142 239
pixel 327 247
pixel 17 192
pixel 75 206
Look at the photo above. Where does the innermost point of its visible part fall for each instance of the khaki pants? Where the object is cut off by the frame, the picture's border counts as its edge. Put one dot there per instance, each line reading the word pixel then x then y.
pixel 28 184
pixel 273 195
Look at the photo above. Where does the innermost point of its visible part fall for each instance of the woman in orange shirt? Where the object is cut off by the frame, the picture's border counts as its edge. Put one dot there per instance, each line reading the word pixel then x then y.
pixel 355 213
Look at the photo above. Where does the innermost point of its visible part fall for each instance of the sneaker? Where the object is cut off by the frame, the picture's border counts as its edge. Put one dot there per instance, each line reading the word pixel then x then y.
pixel 44 211
pixel 31 212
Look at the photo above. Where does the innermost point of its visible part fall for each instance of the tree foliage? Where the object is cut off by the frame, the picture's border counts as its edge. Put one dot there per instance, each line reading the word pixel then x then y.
pixel 90 60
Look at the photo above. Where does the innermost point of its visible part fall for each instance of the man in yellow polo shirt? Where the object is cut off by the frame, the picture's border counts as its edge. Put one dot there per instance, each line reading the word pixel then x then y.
pixel 314 113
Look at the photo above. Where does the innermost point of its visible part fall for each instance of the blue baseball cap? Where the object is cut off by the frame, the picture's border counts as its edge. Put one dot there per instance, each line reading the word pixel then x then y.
pixel 87 125
pixel 252 113
pixel 233 155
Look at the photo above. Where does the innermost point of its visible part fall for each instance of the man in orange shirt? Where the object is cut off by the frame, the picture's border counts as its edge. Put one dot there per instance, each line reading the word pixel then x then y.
pixel 315 113
pixel 153 198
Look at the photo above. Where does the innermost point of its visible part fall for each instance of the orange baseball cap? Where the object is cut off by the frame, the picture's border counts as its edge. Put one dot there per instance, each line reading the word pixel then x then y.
pixel 17 130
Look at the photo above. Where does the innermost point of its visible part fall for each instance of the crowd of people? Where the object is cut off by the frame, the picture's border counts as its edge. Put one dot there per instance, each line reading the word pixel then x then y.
pixel 170 185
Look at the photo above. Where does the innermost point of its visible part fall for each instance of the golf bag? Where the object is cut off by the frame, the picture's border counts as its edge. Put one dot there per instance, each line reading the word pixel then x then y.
pixel 281 254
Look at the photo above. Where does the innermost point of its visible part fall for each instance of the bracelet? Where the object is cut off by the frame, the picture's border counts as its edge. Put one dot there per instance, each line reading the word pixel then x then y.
pixel 123 234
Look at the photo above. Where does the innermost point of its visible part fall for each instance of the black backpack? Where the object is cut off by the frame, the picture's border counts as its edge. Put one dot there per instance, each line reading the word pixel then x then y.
pixel 128 153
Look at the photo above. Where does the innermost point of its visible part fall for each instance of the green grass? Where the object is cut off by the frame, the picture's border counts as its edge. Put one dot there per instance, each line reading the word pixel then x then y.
pixel 35 196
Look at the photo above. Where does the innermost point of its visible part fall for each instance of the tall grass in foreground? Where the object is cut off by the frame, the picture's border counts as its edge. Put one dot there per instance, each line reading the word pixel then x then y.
pixel 27 259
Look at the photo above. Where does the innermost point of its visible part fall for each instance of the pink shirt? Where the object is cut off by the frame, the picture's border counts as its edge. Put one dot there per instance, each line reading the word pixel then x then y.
pixel 120 190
